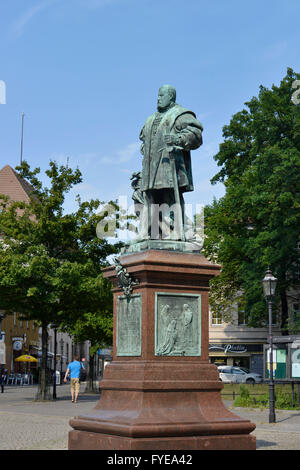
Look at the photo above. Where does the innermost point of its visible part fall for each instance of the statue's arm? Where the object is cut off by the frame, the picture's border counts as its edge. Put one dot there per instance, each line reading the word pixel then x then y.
pixel 142 138
pixel 188 132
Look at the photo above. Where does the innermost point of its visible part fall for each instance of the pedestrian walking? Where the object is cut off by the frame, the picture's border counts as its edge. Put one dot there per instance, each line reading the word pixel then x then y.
pixel 74 371
pixel 3 377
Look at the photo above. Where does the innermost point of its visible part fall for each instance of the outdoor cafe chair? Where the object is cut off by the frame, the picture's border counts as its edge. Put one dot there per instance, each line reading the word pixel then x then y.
pixel 26 379
pixel 11 379
pixel 19 379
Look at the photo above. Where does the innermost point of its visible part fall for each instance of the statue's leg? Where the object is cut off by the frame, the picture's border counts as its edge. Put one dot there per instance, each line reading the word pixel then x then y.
pixel 162 211
pixel 145 222
pixel 172 216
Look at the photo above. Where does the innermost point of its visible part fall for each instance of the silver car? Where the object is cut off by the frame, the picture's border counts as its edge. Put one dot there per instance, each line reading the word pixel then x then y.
pixel 230 374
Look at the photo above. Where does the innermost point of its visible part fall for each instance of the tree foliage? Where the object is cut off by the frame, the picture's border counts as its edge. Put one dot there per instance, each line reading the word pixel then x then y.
pixel 51 262
pixel 256 224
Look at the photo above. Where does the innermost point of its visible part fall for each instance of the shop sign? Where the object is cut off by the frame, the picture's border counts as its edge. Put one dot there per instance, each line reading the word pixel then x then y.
pixel 17 346
pixel 104 352
pixel 229 348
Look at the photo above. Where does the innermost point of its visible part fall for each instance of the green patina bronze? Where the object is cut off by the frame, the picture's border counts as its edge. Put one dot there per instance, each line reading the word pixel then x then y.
pixel 129 325
pixel 177 324
pixel 167 138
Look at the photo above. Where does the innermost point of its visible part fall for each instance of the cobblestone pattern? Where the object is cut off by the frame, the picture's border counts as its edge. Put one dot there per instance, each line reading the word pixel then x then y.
pixel 23 431
pixel 29 425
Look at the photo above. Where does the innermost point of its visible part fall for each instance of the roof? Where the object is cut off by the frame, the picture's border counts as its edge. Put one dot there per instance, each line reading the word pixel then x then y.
pixel 12 185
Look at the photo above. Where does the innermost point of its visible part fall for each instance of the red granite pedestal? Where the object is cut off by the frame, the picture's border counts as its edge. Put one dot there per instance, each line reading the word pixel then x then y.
pixel 151 402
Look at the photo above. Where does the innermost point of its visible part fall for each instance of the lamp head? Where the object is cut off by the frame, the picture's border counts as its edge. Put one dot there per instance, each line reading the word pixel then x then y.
pixel 269 284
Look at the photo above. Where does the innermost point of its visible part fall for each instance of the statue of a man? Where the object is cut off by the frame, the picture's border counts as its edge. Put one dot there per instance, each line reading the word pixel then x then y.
pixel 167 138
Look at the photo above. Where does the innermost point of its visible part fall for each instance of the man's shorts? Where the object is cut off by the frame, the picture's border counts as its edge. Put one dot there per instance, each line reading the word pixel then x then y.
pixel 75 385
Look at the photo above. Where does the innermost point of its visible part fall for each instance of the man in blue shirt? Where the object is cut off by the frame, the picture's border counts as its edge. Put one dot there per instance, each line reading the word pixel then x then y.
pixel 74 371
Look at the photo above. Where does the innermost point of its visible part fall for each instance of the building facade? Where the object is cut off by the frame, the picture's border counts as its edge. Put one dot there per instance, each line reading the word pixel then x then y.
pixel 19 337
pixel 235 343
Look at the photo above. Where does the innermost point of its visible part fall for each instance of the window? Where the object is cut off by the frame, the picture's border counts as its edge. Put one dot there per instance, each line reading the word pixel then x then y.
pixel 225 369
pixel 216 318
pixel 235 370
pixel 242 317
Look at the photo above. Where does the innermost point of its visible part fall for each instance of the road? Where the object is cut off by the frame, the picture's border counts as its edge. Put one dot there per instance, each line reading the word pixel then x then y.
pixel 29 425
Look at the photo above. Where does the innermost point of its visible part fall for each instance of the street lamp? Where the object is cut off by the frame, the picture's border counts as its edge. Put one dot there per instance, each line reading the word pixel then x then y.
pixel 61 358
pixel 55 353
pixel 269 285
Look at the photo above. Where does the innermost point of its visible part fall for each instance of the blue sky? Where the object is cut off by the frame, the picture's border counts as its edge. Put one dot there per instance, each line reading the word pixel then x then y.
pixel 86 74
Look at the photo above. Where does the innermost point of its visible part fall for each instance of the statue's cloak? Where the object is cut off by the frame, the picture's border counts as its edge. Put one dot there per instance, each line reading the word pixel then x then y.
pixel 156 171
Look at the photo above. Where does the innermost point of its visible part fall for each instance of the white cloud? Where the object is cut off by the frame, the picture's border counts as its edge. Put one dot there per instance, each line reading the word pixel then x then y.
pixel 122 156
pixel 204 154
pixel 93 4
pixel 18 26
pixel 95 159
pixel 202 116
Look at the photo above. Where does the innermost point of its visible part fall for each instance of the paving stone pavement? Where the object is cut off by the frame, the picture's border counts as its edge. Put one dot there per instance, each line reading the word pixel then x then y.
pixel 29 425
pixel 282 435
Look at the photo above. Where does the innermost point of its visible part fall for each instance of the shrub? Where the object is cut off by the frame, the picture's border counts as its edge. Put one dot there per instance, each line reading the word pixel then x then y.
pixel 244 399
pixel 284 401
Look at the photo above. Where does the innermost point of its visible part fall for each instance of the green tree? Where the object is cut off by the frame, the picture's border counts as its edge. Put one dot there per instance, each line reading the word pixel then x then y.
pixel 50 262
pixel 95 327
pixel 256 224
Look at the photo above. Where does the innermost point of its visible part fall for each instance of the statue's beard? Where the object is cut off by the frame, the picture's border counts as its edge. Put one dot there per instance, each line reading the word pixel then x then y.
pixel 161 109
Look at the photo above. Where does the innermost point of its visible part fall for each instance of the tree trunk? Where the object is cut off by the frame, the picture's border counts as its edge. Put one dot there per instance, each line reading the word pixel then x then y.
pixel 91 386
pixel 284 313
pixel 43 392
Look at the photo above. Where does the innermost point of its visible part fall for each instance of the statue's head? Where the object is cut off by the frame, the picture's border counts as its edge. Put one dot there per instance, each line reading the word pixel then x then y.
pixel 166 97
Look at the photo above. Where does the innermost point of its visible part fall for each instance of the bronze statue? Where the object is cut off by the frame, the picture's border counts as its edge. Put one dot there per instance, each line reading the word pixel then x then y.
pixel 167 138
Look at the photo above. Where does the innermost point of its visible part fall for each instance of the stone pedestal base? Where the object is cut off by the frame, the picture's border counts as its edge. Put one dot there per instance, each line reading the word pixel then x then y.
pixel 162 401
pixel 158 407
pixel 91 441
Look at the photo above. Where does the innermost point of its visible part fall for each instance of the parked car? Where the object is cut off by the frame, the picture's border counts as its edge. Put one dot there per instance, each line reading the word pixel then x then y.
pixel 229 374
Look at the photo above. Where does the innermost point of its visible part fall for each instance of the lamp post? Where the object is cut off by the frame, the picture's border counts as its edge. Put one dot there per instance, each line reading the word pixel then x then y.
pixel 61 359
pixel 55 352
pixel 269 285
pixel 2 316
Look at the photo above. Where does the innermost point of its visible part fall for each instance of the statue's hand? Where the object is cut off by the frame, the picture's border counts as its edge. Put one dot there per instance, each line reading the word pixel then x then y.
pixel 170 139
